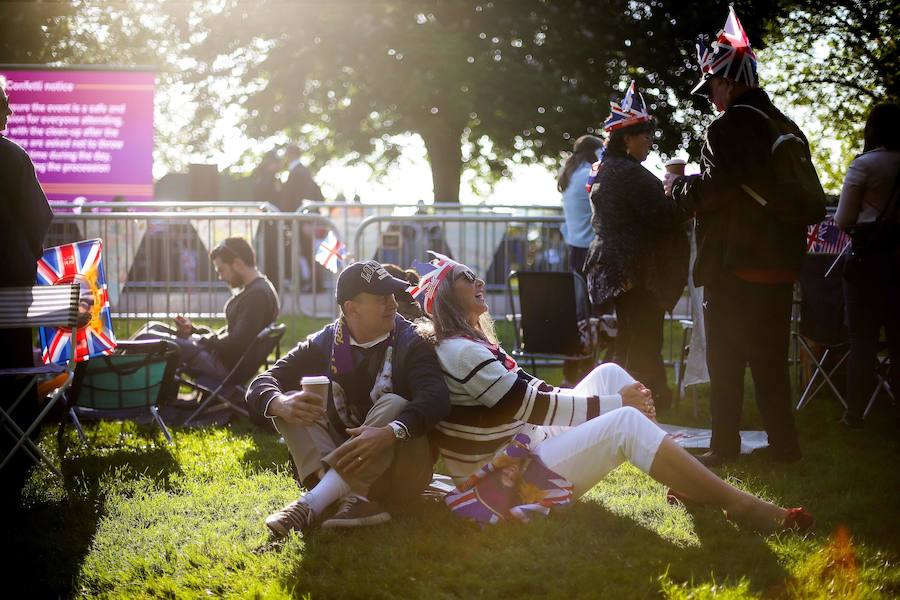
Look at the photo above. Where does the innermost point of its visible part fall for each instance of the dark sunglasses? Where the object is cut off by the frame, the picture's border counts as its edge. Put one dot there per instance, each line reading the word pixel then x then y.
pixel 468 275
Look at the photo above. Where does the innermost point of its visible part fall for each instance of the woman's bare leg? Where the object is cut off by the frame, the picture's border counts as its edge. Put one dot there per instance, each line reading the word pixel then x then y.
pixel 675 467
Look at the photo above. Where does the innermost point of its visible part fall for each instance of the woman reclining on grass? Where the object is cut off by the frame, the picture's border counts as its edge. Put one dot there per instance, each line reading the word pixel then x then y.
pixel 575 436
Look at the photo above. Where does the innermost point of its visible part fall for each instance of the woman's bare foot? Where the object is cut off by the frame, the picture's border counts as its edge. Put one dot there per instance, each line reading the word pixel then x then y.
pixel 756 513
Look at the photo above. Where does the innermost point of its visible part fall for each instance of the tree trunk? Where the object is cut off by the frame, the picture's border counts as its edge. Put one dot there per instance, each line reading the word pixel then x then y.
pixel 445 156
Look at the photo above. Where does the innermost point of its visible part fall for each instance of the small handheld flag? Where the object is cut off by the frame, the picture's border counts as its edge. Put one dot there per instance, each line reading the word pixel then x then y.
pixel 331 253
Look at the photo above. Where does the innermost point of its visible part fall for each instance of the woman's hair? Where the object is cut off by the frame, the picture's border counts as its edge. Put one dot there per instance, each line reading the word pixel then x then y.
pixel 584 150
pixel 407 306
pixel 883 128
pixel 615 145
pixel 449 318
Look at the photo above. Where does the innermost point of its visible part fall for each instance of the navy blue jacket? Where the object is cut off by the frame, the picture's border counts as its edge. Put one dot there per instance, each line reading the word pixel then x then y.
pixel 416 376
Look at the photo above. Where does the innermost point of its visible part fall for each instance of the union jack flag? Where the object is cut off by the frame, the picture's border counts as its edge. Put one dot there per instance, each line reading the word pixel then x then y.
pixel 431 274
pixel 514 486
pixel 595 171
pixel 331 252
pixel 826 238
pixel 93 335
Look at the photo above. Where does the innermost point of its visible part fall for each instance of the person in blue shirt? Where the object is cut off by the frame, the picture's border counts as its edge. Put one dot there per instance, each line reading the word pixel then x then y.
pixel 576 202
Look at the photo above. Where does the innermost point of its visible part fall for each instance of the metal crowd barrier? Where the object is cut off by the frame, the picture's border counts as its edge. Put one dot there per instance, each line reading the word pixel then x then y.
pixel 348 216
pixel 157 263
pixel 159 205
pixel 492 245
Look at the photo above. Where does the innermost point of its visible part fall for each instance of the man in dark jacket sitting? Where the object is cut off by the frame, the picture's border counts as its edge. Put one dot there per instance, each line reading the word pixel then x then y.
pixel 366 442
pixel 212 355
pixel 747 257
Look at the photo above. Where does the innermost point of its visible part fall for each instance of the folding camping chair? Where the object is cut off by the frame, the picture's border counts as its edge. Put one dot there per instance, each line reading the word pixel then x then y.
pixel 553 321
pixel 822 322
pixel 125 385
pixel 26 307
pixel 236 381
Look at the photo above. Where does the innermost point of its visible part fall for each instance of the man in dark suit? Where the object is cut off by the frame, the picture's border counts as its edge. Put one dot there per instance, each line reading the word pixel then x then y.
pixel 26 219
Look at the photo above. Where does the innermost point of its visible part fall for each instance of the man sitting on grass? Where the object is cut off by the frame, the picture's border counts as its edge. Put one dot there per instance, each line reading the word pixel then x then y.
pixel 252 309
pixel 366 442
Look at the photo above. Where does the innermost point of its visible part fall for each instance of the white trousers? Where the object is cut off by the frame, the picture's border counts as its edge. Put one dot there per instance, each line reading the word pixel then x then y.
pixel 585 453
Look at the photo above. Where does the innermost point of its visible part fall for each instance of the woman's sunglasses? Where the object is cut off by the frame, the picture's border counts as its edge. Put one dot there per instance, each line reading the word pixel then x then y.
pixel 468 275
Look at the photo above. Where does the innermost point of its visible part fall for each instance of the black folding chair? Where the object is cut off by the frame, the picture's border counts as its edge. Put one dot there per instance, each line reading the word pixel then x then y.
pixel 822 322
pixel 552 319
pixel 221 394
pixel 125 385
pixel 25 307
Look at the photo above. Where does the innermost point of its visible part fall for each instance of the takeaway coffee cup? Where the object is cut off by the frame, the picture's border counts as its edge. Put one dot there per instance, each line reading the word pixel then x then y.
pixel 675 166
pixel 317 384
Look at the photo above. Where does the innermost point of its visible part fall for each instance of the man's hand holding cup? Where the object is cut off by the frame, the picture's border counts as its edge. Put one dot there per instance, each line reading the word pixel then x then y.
pixel 304 407
pixel 674 170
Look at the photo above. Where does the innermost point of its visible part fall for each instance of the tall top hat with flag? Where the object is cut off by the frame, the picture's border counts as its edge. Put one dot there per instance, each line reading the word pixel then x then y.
pixel 729 56
pixel 631 111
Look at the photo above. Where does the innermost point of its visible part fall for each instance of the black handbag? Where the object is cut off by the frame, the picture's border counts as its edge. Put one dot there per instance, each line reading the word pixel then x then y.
pixel 875 247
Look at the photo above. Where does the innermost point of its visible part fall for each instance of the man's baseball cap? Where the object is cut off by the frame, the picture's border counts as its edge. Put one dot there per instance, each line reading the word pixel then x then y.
pixel 370 277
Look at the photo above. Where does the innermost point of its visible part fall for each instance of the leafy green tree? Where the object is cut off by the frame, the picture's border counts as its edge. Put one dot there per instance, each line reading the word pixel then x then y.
pixel 836 64
pixel 482 82
pixel 502 80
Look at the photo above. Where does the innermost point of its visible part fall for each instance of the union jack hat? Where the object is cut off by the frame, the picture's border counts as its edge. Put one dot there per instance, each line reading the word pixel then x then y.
pixel 729 56
pixel 431 274
pixel 631 111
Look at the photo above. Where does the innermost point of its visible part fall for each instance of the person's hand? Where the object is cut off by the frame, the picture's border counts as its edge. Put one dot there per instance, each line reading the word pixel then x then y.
pixel 637 395
pixel 668 182
pixel 299 408
pixel 365 444
pixel 183 326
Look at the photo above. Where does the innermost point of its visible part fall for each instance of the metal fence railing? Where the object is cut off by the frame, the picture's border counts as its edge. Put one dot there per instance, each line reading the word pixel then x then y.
pixel 348 216
pixel 157 263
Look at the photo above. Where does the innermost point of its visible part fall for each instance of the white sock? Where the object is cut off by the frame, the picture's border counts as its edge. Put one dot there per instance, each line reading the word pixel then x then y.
pixel 331 489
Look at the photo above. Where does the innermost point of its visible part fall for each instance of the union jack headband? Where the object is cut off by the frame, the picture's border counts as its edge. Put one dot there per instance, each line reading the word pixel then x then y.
pixel 431 274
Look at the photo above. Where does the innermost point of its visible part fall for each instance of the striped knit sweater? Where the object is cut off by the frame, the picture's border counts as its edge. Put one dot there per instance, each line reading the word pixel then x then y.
pixel 492 400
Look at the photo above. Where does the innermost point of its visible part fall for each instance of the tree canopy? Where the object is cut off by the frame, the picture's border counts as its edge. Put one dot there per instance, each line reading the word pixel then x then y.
pixel 482 82
pixel 497 80
pixel 836 64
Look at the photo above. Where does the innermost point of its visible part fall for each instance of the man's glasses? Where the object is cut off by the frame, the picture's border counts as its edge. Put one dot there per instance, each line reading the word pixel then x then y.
pixel 467 275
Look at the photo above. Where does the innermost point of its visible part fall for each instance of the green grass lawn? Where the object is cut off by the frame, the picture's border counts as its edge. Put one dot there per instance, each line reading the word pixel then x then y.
pixel 136 517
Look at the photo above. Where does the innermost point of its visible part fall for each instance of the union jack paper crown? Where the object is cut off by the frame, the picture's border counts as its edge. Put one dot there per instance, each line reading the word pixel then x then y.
pixel 431 274
pixel 631 111
pixel 93 336
pixel 729 56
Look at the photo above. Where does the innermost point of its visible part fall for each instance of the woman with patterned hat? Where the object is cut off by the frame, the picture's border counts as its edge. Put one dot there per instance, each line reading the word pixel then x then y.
pixel 518 447
pixel 639 256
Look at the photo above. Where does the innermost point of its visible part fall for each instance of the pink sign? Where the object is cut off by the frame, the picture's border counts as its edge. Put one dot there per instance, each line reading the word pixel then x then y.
pixel 89 133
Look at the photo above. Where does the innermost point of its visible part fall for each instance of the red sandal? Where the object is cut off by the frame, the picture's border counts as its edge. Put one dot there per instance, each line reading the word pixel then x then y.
pixel 798 519
pixel 674 498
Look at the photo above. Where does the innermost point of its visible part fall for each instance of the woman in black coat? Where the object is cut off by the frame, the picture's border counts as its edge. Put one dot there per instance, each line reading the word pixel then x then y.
pixel 639 257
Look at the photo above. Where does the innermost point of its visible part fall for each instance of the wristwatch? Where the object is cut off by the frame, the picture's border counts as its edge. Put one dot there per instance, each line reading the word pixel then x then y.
pixel 401 434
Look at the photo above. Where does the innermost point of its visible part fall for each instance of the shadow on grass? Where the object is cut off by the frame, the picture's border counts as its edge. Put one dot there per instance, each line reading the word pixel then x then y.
pixel 267 452
pixel 586 552
pixel 53 534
